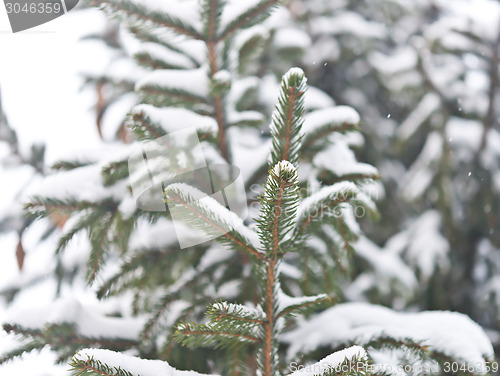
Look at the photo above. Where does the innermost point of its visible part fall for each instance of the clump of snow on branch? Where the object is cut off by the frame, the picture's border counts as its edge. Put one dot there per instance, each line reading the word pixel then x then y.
pixel 331 362
pixel 89 323
pixel 362 322
pixel 136 366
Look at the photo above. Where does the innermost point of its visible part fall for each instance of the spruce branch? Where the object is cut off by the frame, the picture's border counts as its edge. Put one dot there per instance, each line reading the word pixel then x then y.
pixel 213 335
pixel 139 13
pixel 269 362
pixel 212 218
pixel 320 134
pixel 249 50
pixel 86 221
pixel 63 338
pixel 218 102
pixel 148 60
pixel 162 96
pixel 42 207
pixel 288 118
pixel 142 125
pixel 223 312
pixel 114 172
pixel 211 15
pixel 302 304
pixel 165 302
pixel 146 129
pixel 322 203
pixel 20 351
pixel 127 277
pixel 100 241
pixel 149 35
pixel 279 205
pixel 69 165
pixel 249 17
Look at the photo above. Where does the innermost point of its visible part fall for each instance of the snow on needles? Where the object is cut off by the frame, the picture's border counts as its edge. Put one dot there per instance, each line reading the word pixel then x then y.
pixel 194 81
pixel 450 333
pixel 295 71
pixel 89 323
pixel 330 116
pixel 174 119
pixel 332 361
pixel 341 161
pixel 231 219
pixel 136 366
pixel 335 191
pixel 283 166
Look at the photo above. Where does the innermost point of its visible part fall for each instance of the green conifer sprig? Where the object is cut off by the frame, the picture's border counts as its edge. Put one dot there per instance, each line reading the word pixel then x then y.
pixel 217 335
pixel 250 17
pixel 163 96
pixel 320 135
pixel 288 118
pixel 150 61
pixel 85 221
pixel 115 171
pixel 279 205
pixel 211 13
pixel 327 204
pixel 62 338
pixel 69 165
pixel 150 35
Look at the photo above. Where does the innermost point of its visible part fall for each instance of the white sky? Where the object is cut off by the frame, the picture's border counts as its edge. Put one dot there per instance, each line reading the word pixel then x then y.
pixel 39 82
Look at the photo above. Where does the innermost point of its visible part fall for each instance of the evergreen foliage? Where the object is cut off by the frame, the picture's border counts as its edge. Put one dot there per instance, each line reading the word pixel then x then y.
pixel 206 64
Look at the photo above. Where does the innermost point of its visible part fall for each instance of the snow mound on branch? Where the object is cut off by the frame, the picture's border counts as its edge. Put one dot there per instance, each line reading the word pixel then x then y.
pixel 291 38
pixel 89 323
pixel 157 51
pixel 136 366
pixel 316 99
pixel 283 166
pixel 233 10
pixel 83 184
pixel 330 116
pixel 427 106
pixel 342 192
pixel 349 23
pixel 450 333
pixel 194 81
pixel 153 235
pixel 332 361
pixel 386 265
pixel 174 119
pixel 231 219
pixel 341 161
pixel 423 245
pixel 402 59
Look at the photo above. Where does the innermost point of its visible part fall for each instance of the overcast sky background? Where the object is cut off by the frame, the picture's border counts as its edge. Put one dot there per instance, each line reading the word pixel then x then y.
pixel 39 81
